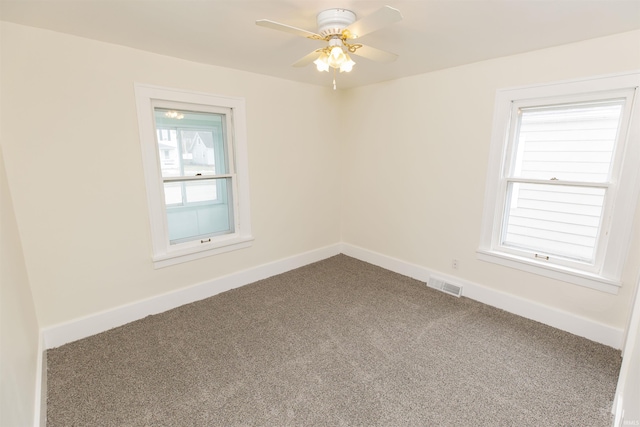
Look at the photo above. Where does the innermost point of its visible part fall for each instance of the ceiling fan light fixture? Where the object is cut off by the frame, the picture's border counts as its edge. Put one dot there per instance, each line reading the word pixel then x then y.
pixel 338 27
pixel 335 58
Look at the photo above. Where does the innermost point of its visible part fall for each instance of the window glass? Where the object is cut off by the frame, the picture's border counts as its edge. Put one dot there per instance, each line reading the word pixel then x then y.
pixel 191 142
pixel 567 142
pixel 201 219
pixel 192 151
pixel 556 220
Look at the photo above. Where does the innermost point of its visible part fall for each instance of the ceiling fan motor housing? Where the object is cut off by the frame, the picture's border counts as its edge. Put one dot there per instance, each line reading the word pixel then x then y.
pixel 332 22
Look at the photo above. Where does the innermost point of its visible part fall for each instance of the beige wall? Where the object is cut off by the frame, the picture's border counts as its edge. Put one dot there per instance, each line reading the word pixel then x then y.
pixel 413 168
pixel 416 162
pixel 19 331
pixel 73 156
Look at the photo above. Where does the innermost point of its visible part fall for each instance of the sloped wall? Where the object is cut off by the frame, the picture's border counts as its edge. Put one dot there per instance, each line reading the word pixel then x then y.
pixel 19 329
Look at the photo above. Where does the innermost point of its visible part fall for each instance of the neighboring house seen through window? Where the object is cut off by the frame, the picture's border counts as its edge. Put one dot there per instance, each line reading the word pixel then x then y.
pixel 562 183
pixel 194 153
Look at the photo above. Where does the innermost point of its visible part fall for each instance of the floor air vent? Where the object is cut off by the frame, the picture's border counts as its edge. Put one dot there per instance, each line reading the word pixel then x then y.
pixel 444 286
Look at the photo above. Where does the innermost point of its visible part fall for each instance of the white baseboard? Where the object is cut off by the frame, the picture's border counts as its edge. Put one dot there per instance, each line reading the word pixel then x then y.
pixel 563 320
pixel 40 406
pixel 76 329
pixel 57 335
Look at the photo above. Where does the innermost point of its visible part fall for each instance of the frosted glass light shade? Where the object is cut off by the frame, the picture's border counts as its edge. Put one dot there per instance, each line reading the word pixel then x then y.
pixel 321 63
pixel 347 65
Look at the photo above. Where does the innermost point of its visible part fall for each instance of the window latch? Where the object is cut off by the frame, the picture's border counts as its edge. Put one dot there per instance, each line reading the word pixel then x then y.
pixel 553 179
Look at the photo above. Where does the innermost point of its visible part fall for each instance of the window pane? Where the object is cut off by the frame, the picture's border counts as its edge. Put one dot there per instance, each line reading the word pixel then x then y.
pixel 554 219
pixel 190 143
pixel 568 142
pixel 206 212
pixel 201 191
pixel 173 193
pixel 190 192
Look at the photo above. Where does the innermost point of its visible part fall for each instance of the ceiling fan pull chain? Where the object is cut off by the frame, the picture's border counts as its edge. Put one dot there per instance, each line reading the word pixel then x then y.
pixel 334 79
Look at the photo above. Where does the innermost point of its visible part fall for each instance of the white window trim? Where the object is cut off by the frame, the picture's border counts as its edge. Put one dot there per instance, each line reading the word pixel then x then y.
pixel 165 254
pixel 608 277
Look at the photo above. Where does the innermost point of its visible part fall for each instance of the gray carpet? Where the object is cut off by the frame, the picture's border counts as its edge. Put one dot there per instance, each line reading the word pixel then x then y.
pixel 335 343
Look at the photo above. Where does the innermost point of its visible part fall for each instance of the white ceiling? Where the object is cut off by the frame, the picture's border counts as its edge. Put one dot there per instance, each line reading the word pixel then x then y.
pixel 434 34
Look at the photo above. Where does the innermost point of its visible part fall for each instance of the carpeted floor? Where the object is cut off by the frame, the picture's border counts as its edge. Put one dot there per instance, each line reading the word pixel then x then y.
pixel 335 343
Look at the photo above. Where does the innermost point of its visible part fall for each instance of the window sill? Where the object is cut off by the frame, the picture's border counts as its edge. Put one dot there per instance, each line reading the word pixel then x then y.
pixel 193 253
pixel 564 274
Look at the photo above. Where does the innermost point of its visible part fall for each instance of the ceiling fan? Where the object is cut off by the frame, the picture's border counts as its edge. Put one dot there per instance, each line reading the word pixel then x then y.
pixel 339 28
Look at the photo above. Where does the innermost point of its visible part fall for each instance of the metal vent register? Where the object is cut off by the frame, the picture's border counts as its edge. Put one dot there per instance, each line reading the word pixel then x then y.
pixel 445 286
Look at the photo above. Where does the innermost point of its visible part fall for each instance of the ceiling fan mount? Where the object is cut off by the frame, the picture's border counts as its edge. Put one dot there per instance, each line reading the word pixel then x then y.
pixel 333 22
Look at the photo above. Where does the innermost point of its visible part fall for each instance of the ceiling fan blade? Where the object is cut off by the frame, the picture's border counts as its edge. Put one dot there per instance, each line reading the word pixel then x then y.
pixel 375 54
pixel 288 29
pixel 384 16
pixel 308 59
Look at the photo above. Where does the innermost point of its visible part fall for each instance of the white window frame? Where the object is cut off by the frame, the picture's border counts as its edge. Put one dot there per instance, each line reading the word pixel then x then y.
pixel 618 214
pixel 164 253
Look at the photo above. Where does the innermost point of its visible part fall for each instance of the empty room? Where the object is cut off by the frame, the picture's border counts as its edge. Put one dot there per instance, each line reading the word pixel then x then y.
pixel 295 213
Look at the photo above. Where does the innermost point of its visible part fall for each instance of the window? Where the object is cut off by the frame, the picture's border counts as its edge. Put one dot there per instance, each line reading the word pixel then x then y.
pixel 195 163
pixel 562 180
